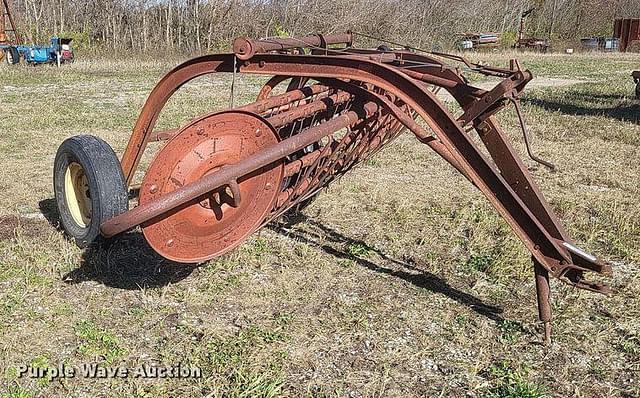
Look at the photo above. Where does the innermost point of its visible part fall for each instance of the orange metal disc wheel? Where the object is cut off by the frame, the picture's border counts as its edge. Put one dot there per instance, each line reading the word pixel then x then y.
pixel 219 221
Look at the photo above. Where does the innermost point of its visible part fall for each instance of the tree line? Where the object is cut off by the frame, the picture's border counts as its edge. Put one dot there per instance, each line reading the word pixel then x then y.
pixel 199 26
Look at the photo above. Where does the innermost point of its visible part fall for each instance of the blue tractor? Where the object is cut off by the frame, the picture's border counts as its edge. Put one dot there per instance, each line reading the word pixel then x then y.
pixel 11 48
pixel 59 52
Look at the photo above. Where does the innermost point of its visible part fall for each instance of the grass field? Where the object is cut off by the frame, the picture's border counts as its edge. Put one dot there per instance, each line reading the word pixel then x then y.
pixel 399 280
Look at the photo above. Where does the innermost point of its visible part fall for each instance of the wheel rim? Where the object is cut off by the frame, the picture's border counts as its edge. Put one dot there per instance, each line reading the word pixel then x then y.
pixel 210 226
pixel 76 190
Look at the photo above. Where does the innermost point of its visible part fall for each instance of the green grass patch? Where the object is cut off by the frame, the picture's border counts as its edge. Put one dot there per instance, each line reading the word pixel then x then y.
pixel 16 392
pixel 512 382
pixel 97 343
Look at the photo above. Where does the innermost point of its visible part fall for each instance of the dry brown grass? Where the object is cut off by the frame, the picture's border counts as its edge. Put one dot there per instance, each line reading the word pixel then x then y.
pixel 400 280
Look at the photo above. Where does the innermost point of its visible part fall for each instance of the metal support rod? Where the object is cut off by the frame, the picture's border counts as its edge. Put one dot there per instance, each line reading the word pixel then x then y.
pixel 431 79
pixel 543 292
pixel 245 48
pixel 287 98
pixel 304 111
pixel 279 102
pixel 525 133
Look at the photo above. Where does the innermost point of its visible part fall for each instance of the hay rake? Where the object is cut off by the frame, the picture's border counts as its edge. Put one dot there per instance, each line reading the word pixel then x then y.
pixel 225 174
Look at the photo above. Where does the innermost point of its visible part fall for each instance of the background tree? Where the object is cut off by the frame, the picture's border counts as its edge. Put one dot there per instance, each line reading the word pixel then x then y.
pixel 196 26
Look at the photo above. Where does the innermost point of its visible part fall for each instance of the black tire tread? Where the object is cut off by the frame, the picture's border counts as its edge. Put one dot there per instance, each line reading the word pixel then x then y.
pixel 104 173
pixel 12 55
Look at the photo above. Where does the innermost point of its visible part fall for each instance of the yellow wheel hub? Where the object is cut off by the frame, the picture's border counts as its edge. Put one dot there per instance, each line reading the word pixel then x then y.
pixel 76 190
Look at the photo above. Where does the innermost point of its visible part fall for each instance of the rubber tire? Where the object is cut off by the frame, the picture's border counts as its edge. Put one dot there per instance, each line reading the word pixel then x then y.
pixel 106 182
pixel 638 90
pixel 12 56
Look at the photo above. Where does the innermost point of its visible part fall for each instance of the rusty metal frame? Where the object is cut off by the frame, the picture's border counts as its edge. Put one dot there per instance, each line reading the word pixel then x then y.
pixel 408 78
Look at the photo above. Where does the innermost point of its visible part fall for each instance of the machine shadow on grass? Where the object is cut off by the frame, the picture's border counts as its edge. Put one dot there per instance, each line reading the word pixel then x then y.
pixel 128 262
pixel 409 269
pixel 589 104
pixel 124 262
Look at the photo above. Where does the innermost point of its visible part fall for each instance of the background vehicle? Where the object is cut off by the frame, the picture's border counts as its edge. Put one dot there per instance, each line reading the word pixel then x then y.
pixel 531 43
pixel 12 48
pixel 59 51
pixel 479 40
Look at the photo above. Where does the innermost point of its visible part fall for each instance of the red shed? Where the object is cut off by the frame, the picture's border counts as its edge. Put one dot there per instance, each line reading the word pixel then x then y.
pixel 627 30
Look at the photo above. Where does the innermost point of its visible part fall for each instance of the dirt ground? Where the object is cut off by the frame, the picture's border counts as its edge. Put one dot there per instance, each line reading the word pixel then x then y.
pixel 400 280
